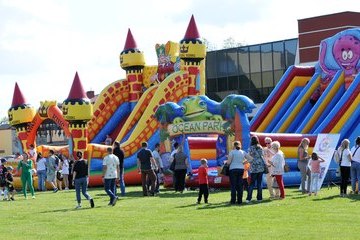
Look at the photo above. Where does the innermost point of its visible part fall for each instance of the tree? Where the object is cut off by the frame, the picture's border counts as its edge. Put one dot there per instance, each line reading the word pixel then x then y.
pixel 4 120
pixel 209 45
pixel 231 43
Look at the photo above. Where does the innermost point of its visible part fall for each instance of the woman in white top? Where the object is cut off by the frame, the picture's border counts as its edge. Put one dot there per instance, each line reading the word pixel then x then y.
pixel 344 156
pixel 268 154
pixel 236 166
pixel 65 171
pixel 278 162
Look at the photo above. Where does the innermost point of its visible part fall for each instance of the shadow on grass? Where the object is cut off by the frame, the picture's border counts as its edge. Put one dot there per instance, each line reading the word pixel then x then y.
pixel 72 209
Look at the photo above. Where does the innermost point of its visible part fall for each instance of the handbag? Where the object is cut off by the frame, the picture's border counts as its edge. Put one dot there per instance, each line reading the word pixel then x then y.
pixel 225 170
pixel 286 167
pixel 173 163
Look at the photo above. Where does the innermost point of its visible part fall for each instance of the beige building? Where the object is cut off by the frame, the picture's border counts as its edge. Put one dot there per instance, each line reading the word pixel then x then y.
pixel 8 140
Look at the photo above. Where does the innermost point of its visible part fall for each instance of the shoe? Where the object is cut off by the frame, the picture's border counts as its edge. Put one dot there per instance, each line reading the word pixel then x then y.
pixel 206 202
pixel 33 197
pixel 56 190
pixel 78 207
pixel 197 202
pixel 309 194
pixel 109 204
pixel 12 199
pixel 66 188
pixel 259 201
pixel 92 204
pixel 247 201
pixel 114 202
pixel 231 202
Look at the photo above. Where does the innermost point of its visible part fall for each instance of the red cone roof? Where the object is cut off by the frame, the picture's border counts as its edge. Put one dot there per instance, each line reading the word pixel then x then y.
pixel 18 97
pixel 192 31
pixel 130 41
pixel 77 90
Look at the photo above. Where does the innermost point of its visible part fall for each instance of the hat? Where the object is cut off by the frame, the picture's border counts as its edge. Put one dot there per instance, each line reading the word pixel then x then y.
pixel 3 160
pixel 9 168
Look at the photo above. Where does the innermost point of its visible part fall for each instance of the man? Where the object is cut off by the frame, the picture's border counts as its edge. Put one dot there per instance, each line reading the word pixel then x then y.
pixel 51 170
pixel 111 172
pixel 120 154
pixel 108 140
pixel 355 165
pixel 160 167
pixel 144 161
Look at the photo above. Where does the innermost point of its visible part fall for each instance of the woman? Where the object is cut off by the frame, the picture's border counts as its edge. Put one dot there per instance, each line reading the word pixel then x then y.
pixel 181 166
pixel 80 180
pixel 278 162
pixel 41 171
pixel 345 158
pixel 236 167
pixel 257 167
pixel 303 161
pixel 26 174
pixel 268 154
pixel 65 171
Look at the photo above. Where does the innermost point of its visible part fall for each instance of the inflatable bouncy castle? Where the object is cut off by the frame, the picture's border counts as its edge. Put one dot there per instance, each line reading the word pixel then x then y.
pixel 167 102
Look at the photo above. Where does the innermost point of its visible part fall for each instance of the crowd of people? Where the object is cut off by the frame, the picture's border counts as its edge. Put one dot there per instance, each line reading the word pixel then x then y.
pixel 246 170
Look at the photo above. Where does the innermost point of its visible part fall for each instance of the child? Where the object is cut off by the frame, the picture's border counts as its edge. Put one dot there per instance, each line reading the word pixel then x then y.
pixel 9 183
pixel 246 176
pixel 315 172
pixel 203 181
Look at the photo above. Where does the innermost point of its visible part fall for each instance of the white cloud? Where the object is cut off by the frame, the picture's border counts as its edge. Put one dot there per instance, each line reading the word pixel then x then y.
pixel 44 42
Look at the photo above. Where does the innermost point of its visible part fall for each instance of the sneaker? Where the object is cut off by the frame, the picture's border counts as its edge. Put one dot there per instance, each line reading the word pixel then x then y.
pixel 92 204
pixel 56 190
pixel 78 207
pixel 66 188
pixel 114 201
pixel 33 197
pixel 247 201
pixel 12 199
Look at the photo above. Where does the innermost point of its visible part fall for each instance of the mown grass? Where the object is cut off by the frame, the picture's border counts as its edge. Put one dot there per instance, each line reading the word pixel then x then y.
pixel 176 216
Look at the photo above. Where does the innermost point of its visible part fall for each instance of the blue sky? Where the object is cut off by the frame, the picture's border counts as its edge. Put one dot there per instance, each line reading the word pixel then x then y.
pixel 44 42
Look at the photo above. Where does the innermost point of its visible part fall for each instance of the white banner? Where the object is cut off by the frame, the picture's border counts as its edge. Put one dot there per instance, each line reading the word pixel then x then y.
pixel 324 147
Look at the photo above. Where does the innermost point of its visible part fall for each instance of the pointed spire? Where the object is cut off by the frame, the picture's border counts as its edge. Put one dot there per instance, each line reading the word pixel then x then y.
pixel 192 31
pixel 18 97
pixel 77 90
pixel 130 41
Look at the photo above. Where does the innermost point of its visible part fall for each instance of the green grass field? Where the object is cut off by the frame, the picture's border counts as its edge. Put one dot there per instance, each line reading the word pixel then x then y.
pixel 176 216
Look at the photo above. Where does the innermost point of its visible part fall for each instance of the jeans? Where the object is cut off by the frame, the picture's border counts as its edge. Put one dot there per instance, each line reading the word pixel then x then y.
pixel 236 183
pixel 122 183
pixel 305 175
pixel 355 174
pixel 81 184
pixel 110 188
pixel 280 181
pixel 255 177
pixel 145 174
pixel 180 175
pixel 345 174
pixel 314 182
pixel 203 190
pixel 41 180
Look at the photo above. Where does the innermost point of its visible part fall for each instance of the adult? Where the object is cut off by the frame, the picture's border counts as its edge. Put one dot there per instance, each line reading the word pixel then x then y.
pixel 278 163
pixel 41 171
pixel 236 167
pixel 111 172
pixel 268 154
pixel 26 175
pixel 160 166
pixel 355 165
pixel 51 168
pixel 257 168
pixel 120 154
pixel 80 179
pixel 181 166
pixel 144 161
pixel 303 162
pixel 345 165
pixel 3 173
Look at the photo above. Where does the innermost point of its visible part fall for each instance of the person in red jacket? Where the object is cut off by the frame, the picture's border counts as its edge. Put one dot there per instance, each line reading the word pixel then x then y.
pixel 203 181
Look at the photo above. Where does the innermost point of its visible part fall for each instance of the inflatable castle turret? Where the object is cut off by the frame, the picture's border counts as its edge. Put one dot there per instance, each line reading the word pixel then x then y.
pixel 132 61
pixel 192 52
pixel 77 110
pixel 20 115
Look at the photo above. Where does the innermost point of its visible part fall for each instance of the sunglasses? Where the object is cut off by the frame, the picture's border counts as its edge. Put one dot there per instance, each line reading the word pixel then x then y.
pixel 268 143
